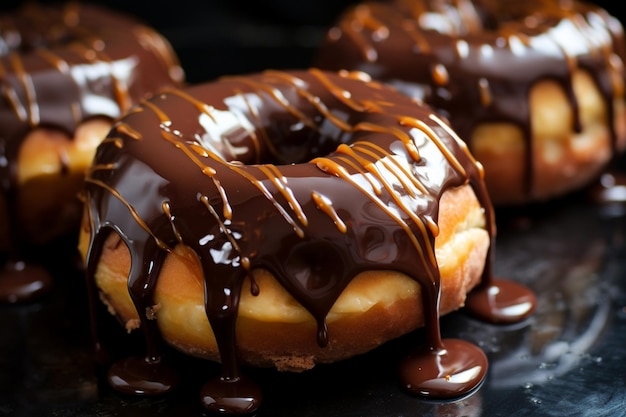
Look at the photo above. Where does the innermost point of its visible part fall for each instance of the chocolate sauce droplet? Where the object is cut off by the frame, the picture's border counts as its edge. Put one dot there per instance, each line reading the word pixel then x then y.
pixel 234 396
pixel 611 188
pixel 453 371
pixel 22 282
pixel 501 301
pixel 139 376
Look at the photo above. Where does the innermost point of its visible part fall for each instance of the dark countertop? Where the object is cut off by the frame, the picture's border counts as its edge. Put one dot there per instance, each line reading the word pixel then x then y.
pixel 568 359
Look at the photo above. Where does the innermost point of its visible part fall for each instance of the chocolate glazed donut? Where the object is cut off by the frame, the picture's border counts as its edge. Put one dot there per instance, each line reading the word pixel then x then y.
pixel 505 74
pixel 301 173
pixel 62 67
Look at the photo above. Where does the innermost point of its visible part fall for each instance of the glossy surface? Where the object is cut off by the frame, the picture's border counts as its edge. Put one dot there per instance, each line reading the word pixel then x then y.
pixel 141 376
pixel 304 173
pixel 567 359
pixel 454 370
pixel 501 301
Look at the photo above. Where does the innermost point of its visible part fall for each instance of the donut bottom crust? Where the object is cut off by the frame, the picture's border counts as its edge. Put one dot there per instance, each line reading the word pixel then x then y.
pixel 51 168
pixel 272 328
pixel 562 159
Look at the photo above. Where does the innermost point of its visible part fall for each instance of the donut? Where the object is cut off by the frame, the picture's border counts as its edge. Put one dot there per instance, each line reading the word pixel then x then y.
pixel 536 88
pixel 285 219
pixel 66 72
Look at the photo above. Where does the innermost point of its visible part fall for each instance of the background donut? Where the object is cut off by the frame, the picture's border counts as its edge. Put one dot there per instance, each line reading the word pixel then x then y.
pixel 544 117
pixel 66 72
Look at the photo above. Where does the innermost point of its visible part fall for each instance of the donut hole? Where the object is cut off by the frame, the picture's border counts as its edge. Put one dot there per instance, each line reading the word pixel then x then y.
pixel 295 143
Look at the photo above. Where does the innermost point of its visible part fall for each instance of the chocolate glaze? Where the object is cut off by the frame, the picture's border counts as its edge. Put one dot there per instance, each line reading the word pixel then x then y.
pixel 303 173
pixel 475 61
pixel 60 66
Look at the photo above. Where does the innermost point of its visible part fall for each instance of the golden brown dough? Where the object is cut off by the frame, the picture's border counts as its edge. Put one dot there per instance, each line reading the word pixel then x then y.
pixel 563 159
pixel 51 169
pixel 272 328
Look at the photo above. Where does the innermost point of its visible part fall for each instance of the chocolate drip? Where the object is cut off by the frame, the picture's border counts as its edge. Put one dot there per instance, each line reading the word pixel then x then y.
pixel 60 66
pixel 476 61
pixel 369 169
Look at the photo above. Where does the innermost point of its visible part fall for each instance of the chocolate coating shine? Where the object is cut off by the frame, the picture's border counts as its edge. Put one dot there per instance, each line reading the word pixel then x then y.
pixel 61 66
pixel 312 175
pixel 475 61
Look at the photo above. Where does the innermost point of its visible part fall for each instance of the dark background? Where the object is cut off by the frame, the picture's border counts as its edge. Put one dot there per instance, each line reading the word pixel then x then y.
pixel 221 37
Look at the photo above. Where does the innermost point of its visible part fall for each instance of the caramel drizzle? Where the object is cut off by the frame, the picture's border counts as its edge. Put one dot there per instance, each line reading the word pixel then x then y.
pixel 255 138
pixel 362 19
pixel 225 229
pixel 208 110
pixel 160 47
pixel 30 108
pixel 406 178
pixel 333 168
pixel 133 212
pixel 167 209
pixel 326 205
pixel 278 99
pixel 277 179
